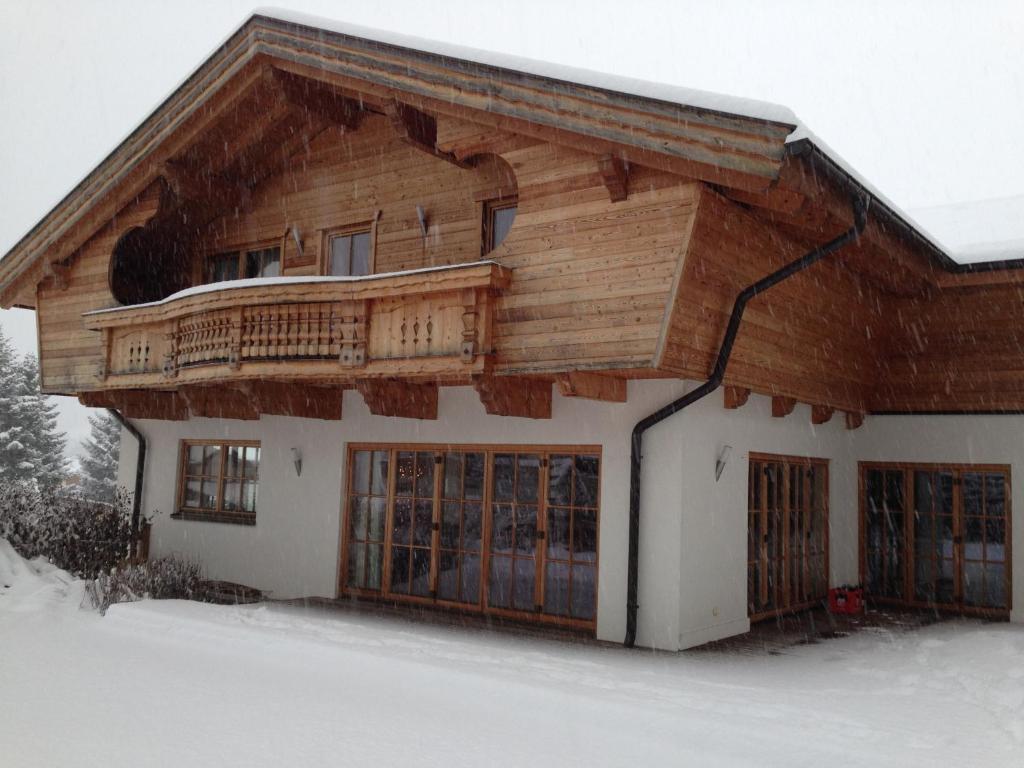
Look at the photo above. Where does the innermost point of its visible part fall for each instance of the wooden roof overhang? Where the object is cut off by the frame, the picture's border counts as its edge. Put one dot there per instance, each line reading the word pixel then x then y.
pixel 734 151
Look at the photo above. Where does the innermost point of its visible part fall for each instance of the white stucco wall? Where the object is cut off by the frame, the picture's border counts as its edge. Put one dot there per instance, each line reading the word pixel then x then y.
pixel 693 529
pixel 294 547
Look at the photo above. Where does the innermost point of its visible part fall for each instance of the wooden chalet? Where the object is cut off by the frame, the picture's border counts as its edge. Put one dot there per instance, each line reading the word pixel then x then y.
pixel 384 315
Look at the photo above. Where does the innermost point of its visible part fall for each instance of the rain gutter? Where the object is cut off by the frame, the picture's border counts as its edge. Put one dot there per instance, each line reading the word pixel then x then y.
pixel 140 468
pixel 709 386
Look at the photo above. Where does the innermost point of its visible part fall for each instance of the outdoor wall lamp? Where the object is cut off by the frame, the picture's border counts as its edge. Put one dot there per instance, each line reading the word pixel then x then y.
pixel 297 458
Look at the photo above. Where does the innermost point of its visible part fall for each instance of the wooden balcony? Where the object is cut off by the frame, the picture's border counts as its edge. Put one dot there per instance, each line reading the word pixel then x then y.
pixel 430 323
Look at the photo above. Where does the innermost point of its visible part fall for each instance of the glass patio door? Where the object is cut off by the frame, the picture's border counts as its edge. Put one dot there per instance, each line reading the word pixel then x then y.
pixel 787 544
pixel 952 551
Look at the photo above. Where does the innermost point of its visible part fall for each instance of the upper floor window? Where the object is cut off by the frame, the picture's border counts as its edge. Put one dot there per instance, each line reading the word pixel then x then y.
pixel 349 253
pixel 498 218
pixel 266 262
pixel 219 481
pixel 259 262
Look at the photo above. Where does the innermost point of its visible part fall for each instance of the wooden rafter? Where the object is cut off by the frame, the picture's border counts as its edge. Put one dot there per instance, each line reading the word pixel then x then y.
pixel 735 397
pixel 514 396
pixel 593 386
pixel 319 99
pixel 821 414
pixel 393 397
pixel 139 404
pixel 854 420
pixel 220 402
pixel 782 406
pixel 615 175
pixel 418 129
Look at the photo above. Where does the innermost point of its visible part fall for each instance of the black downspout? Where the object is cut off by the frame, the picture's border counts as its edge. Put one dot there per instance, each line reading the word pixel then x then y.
pixel 140 468
pixel 709 386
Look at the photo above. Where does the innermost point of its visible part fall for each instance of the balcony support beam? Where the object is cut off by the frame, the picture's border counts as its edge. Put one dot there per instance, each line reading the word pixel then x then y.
pixel 404 399
pixel 514 396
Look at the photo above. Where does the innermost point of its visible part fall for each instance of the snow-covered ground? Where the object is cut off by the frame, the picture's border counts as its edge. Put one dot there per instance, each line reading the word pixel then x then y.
pixel 187 684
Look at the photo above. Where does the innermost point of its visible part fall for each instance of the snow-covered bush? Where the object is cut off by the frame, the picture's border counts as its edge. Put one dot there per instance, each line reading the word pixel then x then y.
pixel 81 536
pixel 163 579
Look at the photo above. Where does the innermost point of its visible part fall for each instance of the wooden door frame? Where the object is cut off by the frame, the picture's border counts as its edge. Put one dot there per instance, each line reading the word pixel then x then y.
pixel 957 468
pixel 787 460
pixel 481 606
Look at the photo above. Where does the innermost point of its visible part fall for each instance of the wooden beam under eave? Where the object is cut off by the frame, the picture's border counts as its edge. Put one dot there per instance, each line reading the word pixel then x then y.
pixel 592 386
pixel 223 402
pixel 782 406
pixel 400 399
pixel 138 403
pixel 615 175
pixel 821 414
pixel 299 400
pixel 417 129
pixel 319 99
pixel 514 396
pixel 854 420
pixel 735 397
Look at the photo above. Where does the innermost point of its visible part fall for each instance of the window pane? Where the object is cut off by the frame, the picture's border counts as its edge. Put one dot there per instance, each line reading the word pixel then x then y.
pixel 556 589
pixel 472 522
pixel 404 473
pixel 528 480
pixel 360 253
pixel 424 474
pixel 523 591
pixel 401 529
pixel 211 460
pixel 424 523
pixel 379 484
pixel 470 571
pixel 249 493
pixel 584 592
pixel 341 260
pixel 584 535
pixel 400 570
pixel 358 517
pixel 453 476
pixel 474 478
pixel 195 460
pixel 499 589
pixel 252 462
pixel 192 498
pixel 560 480
pixel 504 476
pixel 448 576
pixel 361 472
pixel 233 461
pixel 586 481
pixel 263 263
pixel 501 223
pixel 223 266
pixel 356 565
pixel 558 533
pixel 420 572
pixel 526 529
pixel 378 514
pixel 232 495
pixel 450 518
pixel 374 565
pixel 995 495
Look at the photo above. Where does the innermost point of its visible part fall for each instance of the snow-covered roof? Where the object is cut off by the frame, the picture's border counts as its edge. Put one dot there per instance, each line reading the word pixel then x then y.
pixel 691 97
pixel 978 230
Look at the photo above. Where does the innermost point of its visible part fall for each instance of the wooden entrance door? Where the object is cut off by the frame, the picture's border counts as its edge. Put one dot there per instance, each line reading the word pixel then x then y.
pixel 787 539
pixel 936 535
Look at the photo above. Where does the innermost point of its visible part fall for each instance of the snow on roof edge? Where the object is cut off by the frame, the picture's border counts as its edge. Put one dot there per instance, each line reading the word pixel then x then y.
pixel 735 106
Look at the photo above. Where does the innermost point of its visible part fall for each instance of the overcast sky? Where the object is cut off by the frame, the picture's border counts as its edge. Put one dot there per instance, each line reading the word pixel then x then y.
pixel 926 98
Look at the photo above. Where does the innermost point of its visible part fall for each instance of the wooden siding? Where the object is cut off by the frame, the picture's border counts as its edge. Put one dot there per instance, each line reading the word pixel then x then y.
pixel 811 337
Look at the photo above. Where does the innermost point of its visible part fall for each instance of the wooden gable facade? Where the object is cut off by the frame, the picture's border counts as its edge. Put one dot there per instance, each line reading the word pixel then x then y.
pixel 637 222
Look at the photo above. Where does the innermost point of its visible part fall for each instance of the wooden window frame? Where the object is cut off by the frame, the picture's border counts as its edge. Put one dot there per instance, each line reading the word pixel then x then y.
pixel 908 566
pixel 243 253
pixel 488 209
pixel 789 461
pixel 363 225
pixel 481 606
pixel 218 515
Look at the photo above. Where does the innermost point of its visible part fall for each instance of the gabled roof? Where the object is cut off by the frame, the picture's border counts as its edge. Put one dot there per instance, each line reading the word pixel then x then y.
pixel 737 143
pixel 979 230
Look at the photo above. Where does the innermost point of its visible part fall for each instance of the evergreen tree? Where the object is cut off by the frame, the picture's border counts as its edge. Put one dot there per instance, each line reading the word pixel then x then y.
pixel 17 457
pixel 102 451
pixel 40 425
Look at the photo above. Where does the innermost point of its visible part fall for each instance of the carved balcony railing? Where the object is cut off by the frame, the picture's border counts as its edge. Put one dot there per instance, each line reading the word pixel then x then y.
pixel 422 323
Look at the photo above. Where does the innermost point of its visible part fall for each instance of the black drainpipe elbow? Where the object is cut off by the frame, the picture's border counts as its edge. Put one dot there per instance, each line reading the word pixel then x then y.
pixel 709 386
pixel 140 469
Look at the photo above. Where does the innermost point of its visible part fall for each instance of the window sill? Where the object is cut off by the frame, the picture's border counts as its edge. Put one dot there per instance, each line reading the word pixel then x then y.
pixel 214 517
